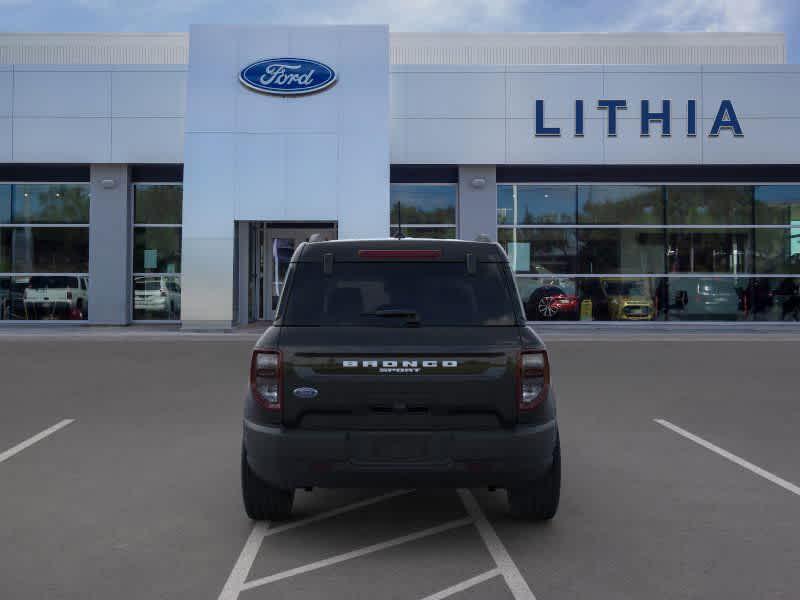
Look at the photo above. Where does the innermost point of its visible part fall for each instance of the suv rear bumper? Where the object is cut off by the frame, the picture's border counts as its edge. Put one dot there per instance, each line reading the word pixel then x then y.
pixel 291 458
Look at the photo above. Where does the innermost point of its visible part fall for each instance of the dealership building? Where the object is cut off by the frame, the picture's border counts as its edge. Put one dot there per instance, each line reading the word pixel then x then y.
pixel 169 177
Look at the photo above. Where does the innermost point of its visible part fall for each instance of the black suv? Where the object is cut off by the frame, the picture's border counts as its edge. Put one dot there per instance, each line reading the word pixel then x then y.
pixel 400 363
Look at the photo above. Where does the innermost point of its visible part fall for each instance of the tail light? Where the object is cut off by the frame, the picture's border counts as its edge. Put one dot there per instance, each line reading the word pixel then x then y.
pixel 534 378
pixel 265 378
pixel 69 294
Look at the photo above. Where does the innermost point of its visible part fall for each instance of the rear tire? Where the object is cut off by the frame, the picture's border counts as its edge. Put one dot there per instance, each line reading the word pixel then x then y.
pixel 538 501
pixel 263 501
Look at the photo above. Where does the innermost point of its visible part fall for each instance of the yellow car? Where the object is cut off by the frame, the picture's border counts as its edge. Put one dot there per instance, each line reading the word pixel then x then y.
pixel 628 299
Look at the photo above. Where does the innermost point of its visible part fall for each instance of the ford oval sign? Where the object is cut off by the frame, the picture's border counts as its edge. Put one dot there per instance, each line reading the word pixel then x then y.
pixel 287 76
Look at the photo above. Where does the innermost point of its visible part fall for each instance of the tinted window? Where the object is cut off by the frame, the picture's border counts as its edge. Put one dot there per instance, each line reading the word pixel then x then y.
pixel 439 293
pixel 621 204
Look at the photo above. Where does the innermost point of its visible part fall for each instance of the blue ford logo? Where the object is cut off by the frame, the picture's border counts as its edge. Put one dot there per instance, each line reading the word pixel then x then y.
pixel 287 76
pixel 305 392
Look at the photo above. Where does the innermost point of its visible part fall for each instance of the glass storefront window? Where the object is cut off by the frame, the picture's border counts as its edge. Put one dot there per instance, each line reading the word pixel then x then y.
pixel 535 204
pixel 44 204
pixel 620 204
pixel 43 263
pixel 710 251
pixel 157 250
pixel 157 214
pixel 708 299
pixel 777 205
pixel 620 251
pixel 44 250
pixel 709 205
pixel 540 251
pixel 158 204
pixel 156 297
pixel 432 205
pixel 774 299
pixel 778 250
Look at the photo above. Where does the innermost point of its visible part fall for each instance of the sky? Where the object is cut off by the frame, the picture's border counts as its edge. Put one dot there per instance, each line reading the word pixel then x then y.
pixel 414 15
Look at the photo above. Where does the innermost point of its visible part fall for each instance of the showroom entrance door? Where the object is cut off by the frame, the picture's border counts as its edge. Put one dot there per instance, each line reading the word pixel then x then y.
pixel 271 249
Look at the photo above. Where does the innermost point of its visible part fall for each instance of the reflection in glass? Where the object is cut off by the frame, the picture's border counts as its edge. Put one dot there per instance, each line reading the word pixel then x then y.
pixel 44 298
pixel 44 203
pixel 157 249
pixel 439 233
pixel 623 298
pixel 621 250
pixel 540 251
pixel 696 298
pixel 548 298
pixel 535 204
pixel 158 204
pixel 44 249
pixel 774 299
pixel 414 204
pixel 777 205
pixel 156 297
pixel 620 204
pixel 778 250
pixel 710 251
pixel 709 205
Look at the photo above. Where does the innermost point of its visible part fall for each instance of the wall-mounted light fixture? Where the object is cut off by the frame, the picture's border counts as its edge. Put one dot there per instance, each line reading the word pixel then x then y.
pixel 478 182
pixel 109 183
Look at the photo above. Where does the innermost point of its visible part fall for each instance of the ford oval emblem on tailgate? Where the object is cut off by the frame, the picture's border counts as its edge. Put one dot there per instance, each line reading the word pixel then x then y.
pixel 305 392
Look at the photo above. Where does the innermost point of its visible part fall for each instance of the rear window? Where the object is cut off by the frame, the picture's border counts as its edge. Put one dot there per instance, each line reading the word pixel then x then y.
pixel 393 294
pixel 57 281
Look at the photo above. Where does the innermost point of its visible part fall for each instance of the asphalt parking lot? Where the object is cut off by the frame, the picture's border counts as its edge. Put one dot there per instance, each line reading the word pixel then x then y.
pixel 134 492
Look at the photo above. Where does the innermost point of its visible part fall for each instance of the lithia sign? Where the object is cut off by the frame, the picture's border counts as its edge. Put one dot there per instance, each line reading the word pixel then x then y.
pixel 726 119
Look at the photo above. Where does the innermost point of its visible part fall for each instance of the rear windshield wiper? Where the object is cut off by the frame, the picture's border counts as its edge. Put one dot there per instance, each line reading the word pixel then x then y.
pixel 412 318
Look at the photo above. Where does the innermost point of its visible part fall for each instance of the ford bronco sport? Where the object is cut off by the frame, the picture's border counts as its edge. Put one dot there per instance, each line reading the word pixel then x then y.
pixel 400 363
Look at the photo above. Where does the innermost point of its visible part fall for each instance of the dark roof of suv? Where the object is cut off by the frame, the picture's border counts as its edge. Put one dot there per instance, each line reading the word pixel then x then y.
pixel 453 250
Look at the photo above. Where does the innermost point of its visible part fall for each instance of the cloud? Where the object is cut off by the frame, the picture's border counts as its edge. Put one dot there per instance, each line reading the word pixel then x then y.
pixel 705 15
pixel 415 15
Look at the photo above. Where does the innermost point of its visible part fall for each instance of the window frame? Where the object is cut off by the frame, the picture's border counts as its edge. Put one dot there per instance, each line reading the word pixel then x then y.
pixel 83 277
pixel 752 226
pixel 395 226
pixel 133 274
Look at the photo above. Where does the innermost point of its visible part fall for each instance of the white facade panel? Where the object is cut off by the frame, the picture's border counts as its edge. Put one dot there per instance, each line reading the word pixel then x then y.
pixel 629 148
pixel 5 139
pixel 765 141
pixel 455 95
pixel 454 141
pixel 62 93
pixel 148 93
pixel 363 214
pixel 257 196
pixel 210 89
pixel 558 91
pixel 678 87
pixel 753 94
pixel 209 179
pixel 311 177
pixel 524 148
pixel 6 91
pixel 147 140
pixel 76 140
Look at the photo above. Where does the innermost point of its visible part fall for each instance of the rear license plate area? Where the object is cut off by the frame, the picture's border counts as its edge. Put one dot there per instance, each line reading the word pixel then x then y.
pixel 392 447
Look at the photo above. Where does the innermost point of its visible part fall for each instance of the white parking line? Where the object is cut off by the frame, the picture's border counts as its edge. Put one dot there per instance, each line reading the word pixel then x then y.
pixel 357 553
pixel 233 586
pixel 505 564
pixel 464 585
pixel 788 486
pixel 4 456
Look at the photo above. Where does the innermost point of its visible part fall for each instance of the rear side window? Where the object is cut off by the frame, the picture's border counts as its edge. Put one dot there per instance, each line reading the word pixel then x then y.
pixel 438 293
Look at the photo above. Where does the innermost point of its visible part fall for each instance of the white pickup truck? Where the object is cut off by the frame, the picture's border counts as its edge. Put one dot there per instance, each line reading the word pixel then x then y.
pixel 56 297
